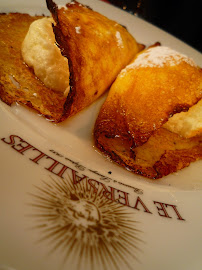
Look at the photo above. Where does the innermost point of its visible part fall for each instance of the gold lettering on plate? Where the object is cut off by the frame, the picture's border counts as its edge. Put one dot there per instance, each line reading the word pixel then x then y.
pixel 89 229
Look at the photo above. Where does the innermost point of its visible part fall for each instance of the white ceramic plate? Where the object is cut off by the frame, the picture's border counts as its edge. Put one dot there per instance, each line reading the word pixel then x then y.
pixel 65 206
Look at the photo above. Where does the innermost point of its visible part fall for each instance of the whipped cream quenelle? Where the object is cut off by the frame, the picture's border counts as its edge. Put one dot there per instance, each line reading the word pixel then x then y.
pixel 40 52
pixel 187 124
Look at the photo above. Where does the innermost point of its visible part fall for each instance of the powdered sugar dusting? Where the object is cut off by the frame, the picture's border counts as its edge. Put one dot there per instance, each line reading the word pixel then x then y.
pixel 158 57
pixel 61 6
pixel 78 29
pixel 119 39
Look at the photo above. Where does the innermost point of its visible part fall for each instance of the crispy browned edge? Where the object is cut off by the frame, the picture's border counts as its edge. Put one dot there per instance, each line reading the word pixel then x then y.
pixel 62 44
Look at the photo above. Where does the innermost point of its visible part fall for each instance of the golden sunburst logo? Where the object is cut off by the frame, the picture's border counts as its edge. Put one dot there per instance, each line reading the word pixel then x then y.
pixel 89 230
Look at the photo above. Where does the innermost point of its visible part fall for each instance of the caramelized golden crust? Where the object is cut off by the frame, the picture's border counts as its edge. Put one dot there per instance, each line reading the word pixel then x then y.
pixel 129 125
pixel 97 49
pixel 18 83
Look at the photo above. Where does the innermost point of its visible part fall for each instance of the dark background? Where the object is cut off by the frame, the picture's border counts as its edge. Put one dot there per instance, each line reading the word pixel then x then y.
pixel 181 18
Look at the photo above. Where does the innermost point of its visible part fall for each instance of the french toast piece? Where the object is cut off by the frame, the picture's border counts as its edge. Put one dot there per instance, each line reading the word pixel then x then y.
pixel 130 126
pixel 96 48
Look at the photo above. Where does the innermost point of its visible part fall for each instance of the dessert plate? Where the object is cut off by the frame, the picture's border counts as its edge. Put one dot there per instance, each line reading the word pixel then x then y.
pixel 66 206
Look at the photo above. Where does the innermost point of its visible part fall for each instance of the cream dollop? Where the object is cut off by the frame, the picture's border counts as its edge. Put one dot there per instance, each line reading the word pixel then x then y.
pixel 187 124
pixel 40 52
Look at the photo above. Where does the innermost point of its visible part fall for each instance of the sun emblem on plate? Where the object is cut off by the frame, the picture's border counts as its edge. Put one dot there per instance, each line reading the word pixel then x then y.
pixel 86 227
